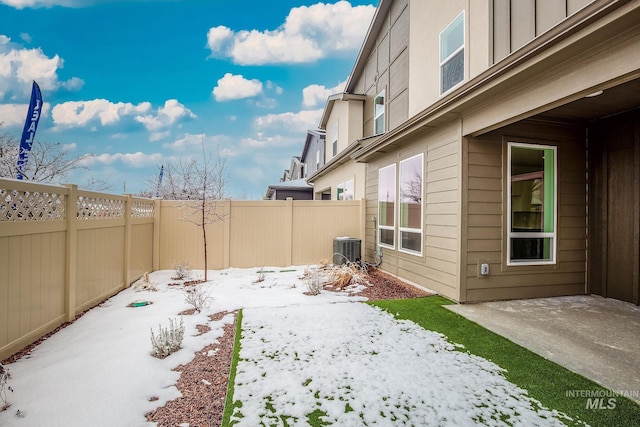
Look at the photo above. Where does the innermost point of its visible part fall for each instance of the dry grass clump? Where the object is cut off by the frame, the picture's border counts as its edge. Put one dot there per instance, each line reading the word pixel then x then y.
pixel 335 277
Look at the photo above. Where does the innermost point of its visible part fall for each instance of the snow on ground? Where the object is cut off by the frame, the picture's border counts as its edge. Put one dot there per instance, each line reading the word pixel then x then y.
pixel 360 366
pixel 351 361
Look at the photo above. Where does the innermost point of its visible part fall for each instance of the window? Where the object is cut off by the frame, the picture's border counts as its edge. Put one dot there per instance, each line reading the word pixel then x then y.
pixel 452 54
pixel 410 219
pixel 386 205
pixel 335 140
pixel 317 159
pixel 345 191
pixel 532 204
pixel 378 114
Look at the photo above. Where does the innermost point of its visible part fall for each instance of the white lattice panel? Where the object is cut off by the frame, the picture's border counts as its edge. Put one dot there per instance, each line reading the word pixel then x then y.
pixel 31 206
pixel 99 208
pixel 142 209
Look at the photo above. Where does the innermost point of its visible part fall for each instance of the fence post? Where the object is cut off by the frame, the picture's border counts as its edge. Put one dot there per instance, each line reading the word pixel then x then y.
pixel 289 231
pixel 363 222
pixel 127 240
pixel 71 255
pixel 157 206
pixel 226 240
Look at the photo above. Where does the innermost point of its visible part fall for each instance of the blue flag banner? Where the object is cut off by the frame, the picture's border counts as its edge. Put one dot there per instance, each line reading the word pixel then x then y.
pixel 159 181
pixel 30 126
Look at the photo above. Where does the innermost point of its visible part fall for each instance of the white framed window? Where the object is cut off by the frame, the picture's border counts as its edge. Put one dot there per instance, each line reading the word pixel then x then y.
pixel 378 114
pixel 345 190
pixel 410 222
pixel 387 206
pixel 317 159
pixel 532 204
pixel 452 54
pixel 334 144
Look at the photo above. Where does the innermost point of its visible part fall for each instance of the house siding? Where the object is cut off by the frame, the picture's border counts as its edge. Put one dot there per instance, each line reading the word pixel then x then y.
pixel 485 222
pixel 516 23
pixel 438 267
pixel 387 69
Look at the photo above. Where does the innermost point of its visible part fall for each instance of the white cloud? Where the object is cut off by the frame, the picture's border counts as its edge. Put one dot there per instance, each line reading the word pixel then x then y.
pixel 81 113
pixel 170 113
pixel 15 114
pixel 290 122
pixel 21 4
pixel 232 87
pixel 20 66
pixel 315 95
pixel 137 159
pixel 309 33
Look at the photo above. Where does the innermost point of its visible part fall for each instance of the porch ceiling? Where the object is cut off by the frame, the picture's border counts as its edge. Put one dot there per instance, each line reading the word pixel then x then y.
pixel 613 100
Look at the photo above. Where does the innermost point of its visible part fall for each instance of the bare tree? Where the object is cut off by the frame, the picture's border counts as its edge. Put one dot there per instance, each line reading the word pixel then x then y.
pixel 200 184
pixel 48 162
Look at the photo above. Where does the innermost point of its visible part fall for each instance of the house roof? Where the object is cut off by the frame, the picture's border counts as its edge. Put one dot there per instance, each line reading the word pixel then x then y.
pixel 332 100
pixel 294 184
pixel 319 133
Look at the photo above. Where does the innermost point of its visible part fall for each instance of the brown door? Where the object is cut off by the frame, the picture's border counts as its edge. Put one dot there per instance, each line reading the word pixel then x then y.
pixel 615 207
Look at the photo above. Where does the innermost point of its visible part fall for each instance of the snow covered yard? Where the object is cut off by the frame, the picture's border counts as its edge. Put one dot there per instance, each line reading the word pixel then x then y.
pixel 347 363
pixel 357 365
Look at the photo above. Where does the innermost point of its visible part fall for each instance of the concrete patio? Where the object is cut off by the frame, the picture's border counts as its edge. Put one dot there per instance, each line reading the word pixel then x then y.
pixel 596 337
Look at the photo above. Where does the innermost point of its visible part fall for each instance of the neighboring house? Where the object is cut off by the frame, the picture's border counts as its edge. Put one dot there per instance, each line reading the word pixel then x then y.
pixel 342 121
pixel 293 182
pixel 297 189
pixel 499 146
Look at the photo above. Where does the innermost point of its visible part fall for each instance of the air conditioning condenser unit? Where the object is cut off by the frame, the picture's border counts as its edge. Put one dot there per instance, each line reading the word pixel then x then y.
pixel 346 249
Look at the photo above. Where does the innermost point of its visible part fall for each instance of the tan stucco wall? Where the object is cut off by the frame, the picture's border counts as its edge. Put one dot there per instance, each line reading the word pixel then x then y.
pixel 351 170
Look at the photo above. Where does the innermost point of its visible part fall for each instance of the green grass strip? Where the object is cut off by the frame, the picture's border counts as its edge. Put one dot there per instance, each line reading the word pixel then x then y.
pixel 230 405
pixel 545 380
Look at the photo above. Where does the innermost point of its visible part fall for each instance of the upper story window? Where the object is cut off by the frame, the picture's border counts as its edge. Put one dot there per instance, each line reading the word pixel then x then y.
pixel 378 114
pixel 452 54
pixel 531 199
pixel 334 145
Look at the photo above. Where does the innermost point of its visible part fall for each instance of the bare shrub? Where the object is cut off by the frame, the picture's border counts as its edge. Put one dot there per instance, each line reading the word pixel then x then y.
pixel 168 340
pixel 145 284
pixel 5 376
pixel 261 275
pixel 182 271
pixel 197 297
pixel 314 279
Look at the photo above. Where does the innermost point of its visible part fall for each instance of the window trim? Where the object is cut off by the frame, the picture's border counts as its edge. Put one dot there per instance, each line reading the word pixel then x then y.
pixel 453 54
pixel 387 227
pixel 408 229
pixel 382 115
pixel 514 235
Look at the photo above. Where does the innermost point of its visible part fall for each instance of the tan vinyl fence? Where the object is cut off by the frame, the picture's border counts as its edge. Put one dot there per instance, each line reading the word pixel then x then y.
pixel 64 250
pixel 258 233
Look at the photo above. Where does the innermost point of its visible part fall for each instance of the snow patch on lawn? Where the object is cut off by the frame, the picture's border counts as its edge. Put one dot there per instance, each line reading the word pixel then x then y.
pixel 360 366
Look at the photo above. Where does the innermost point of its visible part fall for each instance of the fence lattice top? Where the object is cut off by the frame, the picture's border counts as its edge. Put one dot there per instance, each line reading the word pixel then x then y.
pixel 31 206
pixel 100 208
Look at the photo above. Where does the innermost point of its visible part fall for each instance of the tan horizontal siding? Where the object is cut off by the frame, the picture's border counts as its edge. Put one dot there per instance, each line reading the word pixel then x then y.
pixel 486 208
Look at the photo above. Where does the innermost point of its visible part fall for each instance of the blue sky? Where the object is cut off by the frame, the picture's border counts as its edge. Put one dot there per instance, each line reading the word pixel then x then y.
pixel 135 84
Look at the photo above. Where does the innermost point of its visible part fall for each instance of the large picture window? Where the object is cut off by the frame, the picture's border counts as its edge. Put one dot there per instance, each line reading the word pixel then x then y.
pixel 452 54
pixel 410 219
pixel 387 206
pixel 532 204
